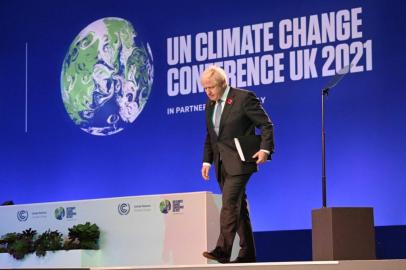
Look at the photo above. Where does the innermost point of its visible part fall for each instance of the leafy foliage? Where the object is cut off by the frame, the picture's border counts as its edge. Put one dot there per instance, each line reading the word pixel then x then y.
pixel 6 241
pixel 81 236
pixel 23 244
pixel 49 240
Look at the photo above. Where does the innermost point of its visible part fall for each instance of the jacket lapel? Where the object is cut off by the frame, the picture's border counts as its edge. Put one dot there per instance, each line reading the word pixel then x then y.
pixel 227 108
pixel 209 113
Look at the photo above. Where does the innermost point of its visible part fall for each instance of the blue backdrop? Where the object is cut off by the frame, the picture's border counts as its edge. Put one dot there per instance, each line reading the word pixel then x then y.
pixel 44 156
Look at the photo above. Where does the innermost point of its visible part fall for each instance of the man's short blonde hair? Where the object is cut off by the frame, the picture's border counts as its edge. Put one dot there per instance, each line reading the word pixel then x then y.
pixel 217 74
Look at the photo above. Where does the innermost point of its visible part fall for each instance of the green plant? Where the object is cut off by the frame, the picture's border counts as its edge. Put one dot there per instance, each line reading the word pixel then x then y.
pixel 6 240
pixel 48 241
pixel 22 244
pixel 83 236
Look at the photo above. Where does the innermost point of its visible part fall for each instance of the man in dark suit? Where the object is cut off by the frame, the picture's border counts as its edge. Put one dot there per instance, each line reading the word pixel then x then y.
pixel 230 113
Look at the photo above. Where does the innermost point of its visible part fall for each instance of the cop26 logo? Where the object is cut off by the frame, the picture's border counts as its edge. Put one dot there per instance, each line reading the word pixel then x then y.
pixel 165 206
pixel 106 77
pixel 59 213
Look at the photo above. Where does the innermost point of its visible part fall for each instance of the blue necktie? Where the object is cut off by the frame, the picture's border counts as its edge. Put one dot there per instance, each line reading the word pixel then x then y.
pixel 217 117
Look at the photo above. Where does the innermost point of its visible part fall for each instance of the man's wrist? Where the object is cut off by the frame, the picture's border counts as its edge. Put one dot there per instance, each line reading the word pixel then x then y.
pixel 265 151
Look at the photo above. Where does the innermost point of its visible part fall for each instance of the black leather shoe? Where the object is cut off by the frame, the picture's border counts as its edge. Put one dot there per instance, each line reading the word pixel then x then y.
pixel 244 260
pixel 217 255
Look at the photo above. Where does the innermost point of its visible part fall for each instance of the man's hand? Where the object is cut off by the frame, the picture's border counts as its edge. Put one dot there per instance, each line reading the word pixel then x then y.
pixel 261 156
pixel 205 172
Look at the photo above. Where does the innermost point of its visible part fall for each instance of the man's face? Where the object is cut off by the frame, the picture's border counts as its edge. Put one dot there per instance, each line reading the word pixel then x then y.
pixel 212 89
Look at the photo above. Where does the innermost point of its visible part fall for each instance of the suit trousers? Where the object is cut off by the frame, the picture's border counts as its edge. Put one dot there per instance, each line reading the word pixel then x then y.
pixel 234 215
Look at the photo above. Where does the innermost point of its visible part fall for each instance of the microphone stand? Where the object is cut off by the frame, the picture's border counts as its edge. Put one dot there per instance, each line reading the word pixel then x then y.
pixel 340 233
pixel 324 93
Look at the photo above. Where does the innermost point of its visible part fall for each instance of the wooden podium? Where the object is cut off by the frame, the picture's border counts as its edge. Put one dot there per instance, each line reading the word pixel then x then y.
pixel 343 233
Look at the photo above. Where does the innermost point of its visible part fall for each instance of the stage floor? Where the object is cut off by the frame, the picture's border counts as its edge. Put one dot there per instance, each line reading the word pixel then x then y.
pixel 320 265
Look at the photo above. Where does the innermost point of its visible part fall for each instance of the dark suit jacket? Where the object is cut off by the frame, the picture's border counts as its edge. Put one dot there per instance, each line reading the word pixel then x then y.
pixel 241 114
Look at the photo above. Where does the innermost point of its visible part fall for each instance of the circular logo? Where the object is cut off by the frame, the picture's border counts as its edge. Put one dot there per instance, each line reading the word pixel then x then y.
pixel 22 215
pixel 106 77
pixel 124 208
pixel 165 206
pixel 59 213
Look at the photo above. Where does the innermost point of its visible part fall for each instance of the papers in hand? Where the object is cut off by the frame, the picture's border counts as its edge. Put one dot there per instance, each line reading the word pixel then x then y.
pixel 247 146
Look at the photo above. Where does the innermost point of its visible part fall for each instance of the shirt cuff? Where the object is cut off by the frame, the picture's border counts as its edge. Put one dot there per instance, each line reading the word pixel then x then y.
pixel 206 164
pixel 266 151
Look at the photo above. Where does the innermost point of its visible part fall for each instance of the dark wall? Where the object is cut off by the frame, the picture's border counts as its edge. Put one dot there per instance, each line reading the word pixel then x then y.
pixel 296 245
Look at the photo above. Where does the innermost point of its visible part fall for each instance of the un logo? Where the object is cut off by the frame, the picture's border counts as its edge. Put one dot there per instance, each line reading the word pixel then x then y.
pixel 124 208
pixel 22 215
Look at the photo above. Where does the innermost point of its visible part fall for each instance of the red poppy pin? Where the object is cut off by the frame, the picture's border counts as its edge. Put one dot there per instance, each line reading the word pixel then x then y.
pixel 229 101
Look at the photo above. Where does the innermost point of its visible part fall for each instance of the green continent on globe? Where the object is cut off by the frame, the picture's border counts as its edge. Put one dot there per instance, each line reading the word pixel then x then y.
pixel 106 77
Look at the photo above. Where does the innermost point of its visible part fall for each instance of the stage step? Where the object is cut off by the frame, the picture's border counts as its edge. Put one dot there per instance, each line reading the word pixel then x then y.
pixel 314 265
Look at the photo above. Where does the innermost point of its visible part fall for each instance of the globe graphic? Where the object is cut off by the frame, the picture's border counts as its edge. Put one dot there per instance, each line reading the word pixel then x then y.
pixel 59 213
pixel 106 77
pixel 165 206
